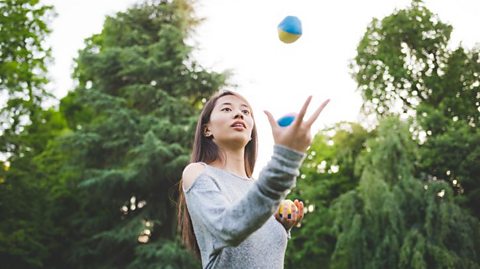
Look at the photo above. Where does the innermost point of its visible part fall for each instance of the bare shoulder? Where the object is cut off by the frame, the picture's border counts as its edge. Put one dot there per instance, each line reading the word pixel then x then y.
pixel 190 173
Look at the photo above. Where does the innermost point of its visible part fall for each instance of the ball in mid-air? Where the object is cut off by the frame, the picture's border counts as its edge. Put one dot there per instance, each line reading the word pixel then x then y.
pixel 290 29
pixel 288 204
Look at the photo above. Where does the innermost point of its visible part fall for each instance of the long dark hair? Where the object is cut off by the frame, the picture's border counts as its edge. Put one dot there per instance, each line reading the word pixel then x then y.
pixel 205 150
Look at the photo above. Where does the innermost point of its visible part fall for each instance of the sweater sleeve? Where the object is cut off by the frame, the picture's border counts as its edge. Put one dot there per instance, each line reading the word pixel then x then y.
pixel 230 223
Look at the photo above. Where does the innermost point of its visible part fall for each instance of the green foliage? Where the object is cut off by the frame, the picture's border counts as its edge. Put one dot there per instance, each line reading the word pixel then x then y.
pixel 400 223
pixel 403 65
pixel 93 185
pixel 406 206
pixel 167 252
pixel 27 196
pixel 25 131
pixel 399 59
pixel 133 112
pixel 451 151
pixel 370 210
pixel 326 174
pixel 23 61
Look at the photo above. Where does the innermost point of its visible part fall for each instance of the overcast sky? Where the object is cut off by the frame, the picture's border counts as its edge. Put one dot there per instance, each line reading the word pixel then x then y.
pixel 241 36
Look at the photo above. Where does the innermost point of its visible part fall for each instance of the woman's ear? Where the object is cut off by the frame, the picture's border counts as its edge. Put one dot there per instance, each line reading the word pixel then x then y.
pixel 206 132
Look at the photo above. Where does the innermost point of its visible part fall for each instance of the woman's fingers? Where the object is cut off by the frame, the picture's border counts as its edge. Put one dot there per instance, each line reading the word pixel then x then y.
pixel 294 213
pixel 277 216
pixel 271 119
pixel 303 110
pixel 299 118
pixel 298 137
pixel 300 214
pixel 317 112
pixel 299 205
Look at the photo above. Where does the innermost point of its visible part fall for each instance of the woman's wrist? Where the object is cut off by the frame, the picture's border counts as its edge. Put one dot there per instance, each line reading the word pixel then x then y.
pixel 289 153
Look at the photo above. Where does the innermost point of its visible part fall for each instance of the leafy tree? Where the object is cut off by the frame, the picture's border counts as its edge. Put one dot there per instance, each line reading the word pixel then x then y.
pixel 25 130
pixel 139 93
pixel 23 61
pixel 326 174
pixel 369 210
pixel 451 151
pixel 393 220
pixel 402 214
pixel 403 65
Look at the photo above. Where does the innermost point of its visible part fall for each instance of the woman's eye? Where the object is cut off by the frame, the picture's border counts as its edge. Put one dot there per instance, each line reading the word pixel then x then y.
pixel 226 109
pixel 246 112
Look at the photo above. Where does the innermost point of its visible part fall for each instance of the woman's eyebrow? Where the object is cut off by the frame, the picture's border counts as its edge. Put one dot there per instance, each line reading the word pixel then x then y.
pixel 229 104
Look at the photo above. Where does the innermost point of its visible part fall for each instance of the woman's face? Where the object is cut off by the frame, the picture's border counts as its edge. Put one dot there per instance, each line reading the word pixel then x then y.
pixel 231 122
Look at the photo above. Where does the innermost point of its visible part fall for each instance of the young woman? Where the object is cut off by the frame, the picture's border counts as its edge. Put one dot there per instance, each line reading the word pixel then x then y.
pixel 225 216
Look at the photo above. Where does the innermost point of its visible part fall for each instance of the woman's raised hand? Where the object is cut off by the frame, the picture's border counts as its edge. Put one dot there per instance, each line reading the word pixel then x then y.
pixel 297 135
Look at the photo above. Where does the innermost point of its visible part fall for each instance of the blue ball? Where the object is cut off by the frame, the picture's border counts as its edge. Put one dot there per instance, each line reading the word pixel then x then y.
pixel 289 29
pixel 286 120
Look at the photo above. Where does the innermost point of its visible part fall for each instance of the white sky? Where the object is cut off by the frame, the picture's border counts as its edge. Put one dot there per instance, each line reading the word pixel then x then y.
pixel 241 36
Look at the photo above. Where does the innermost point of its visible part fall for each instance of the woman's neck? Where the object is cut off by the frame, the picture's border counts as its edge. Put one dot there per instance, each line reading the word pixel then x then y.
pixel 232 161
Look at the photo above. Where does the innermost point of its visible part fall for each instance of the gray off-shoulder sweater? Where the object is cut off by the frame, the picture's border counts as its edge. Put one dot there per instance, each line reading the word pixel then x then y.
pixel 233 217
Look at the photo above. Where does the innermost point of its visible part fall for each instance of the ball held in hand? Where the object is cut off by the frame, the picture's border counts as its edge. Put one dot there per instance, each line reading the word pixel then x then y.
pixel 288 204
pixel 290 29
pixel 286 120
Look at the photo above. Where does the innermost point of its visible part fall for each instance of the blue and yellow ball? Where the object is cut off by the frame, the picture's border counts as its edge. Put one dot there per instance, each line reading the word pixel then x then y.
pixel 290 29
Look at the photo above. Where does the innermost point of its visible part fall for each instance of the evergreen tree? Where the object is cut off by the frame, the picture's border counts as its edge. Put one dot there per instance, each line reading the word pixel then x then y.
pixel 143 92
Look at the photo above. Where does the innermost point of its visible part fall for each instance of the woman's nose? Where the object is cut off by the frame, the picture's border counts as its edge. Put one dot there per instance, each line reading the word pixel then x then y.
pixel 238 114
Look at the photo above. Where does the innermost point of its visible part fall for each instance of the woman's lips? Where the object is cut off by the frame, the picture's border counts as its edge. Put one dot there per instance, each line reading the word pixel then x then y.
pixel 238 124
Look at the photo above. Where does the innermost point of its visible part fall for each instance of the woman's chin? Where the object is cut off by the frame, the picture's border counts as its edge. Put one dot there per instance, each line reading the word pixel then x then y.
pixel 236 141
